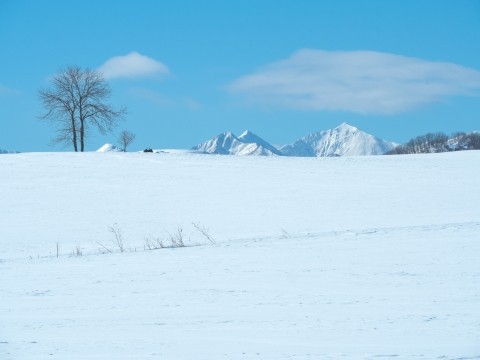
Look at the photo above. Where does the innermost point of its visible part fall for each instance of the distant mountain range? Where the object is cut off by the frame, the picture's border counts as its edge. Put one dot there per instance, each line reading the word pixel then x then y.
pixel 246 144
pixel 344 140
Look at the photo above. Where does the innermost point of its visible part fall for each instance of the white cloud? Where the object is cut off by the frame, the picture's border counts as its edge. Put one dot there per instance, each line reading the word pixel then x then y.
pixel 132 65
pixel 364 82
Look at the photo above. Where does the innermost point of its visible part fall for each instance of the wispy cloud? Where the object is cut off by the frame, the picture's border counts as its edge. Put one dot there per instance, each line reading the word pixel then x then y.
pixel 132 65
pixel 366 82
pixel 192 103
pixel 4 90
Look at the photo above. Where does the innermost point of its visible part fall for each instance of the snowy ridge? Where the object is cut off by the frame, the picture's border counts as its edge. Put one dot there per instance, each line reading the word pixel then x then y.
pixel 246 144
pixel 298 148
pixel 344 140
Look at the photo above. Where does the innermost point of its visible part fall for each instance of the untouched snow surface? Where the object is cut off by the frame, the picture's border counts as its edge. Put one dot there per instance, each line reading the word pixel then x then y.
pixel 315 258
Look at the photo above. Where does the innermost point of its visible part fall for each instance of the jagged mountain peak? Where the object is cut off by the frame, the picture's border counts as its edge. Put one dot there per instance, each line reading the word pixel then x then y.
pixel 346 127
pixel 247 133
pixel 246 144
pixel 227 134
pixel 251 138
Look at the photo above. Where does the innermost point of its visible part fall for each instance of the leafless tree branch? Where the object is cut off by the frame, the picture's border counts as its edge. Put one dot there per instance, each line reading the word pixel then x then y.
pixel 77 100
pixel 126 138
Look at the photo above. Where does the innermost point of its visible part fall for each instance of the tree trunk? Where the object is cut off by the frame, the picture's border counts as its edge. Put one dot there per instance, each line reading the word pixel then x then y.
pixel 82 136
pixel 74 135
pixel 82 129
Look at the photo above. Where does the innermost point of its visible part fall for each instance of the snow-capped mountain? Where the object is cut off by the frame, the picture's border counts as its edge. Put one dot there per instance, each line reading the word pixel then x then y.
pixel 109 148
pixel 250 138
pixel 246 144
pixel 344 140
pixel 298 148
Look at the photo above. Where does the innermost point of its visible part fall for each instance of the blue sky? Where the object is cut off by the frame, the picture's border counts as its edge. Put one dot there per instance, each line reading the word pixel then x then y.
pixel 188 70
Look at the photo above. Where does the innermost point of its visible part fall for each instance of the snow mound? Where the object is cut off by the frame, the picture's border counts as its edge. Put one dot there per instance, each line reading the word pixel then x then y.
pixel 109 148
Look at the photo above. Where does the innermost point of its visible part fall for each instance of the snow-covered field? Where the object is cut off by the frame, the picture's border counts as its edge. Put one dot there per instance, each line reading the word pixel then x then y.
pixel 315 258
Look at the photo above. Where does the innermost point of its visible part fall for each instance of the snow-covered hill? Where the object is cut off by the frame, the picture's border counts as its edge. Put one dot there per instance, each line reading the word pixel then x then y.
pixel 246 144
pixel 315 258
pixel 344 140
pixel 109 148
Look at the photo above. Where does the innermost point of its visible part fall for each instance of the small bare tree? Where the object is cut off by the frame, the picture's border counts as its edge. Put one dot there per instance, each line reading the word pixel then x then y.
pixel 126 138
pixel 177 238
pixel 204 231
pixel 76 101
pixel 115 230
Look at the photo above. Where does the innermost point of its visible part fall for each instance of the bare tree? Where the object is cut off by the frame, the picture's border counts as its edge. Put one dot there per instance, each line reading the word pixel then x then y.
pixel 76 101
pixel 438 142
pixel 126 138
pixel 473 141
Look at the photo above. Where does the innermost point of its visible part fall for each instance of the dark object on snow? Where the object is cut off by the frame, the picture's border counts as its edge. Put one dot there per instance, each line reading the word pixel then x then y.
pixel 148 150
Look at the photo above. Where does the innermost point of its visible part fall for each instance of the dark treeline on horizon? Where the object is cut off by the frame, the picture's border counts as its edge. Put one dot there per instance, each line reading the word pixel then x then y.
pixel 438 142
